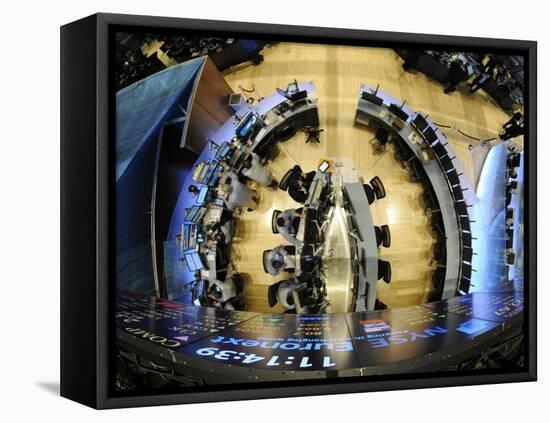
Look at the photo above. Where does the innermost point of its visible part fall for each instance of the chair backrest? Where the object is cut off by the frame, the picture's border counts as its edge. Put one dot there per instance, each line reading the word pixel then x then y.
pixel 264 260
pixel 461 209
pixel 466 271
pixel 272 294
pixel 369 193
pixel 453 178
pixel 386 236
pixel 430 135
pixel 447 163
pixel 379 236
pixel 457 193
pixel 420 123
pixel 384 270
pixel 382 135
pixel 465 224
pixel 387 272
pixel 285 180
pixel 467 254
pixel 378 187
pixel 464 285
pixel 274 218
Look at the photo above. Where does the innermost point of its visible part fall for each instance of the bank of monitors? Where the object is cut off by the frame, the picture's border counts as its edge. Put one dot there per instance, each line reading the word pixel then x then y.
pixel 195 214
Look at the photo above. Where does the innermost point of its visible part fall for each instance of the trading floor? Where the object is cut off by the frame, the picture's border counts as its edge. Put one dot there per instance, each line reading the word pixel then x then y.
pixel 297 211
pixel 337 73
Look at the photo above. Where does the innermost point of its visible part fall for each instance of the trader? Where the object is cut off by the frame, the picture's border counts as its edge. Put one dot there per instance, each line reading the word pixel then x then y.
pixel 288 223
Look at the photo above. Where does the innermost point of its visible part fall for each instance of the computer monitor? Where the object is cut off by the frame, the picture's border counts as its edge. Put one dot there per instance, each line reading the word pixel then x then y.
pixel 203 193
pixel 398 111
pixel 372 98
pixel 195 214
pixel 223 150
pixel 193 260
pixel 430 135
pixel 189 236
pixel 323 167
pixel 246 125
pixel 420 123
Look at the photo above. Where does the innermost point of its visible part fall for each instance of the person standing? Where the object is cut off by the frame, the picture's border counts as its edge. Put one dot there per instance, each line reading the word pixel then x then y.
pixel 256 171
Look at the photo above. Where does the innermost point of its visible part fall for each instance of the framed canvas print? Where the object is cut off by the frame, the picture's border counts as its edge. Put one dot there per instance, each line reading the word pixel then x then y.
pixel 254 211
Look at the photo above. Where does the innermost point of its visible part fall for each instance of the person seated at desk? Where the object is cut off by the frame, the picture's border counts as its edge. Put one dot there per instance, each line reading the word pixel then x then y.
pixel 299 175
pixel 288 223
pixel 235 193
pixel 254 169
pixel 299 183
pixel 284 293
pixel 194 190
pixel 280 260
pixel 298 192
pixel 225 293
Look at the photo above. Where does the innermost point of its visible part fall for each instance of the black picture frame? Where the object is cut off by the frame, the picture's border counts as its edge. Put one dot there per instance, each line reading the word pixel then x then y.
pixel 87 205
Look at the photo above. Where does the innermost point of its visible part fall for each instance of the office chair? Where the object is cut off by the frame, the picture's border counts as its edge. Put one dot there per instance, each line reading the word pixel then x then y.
pixel 509 217
pixel 467 238
pixel 313 134
pixel 440 253
pixel 467 254
pixel 380 138
pixel 436 222
pixel 286 179
pixel 402 153
pixel 461 208
pixel 386 236
pixel 438 282
pixel 464 285
pixel 465 224
pixel 378 187
pixel 420 123
pixel 285 133
pixel 509 238
pixel 369 193
pixel 439 150
pixel 384 270
pixel 417 174
pixel 453 178
pixel 458 193
pixel 264 260
pixel 514 160
pixel 290 249
pixel 466 271
pixel 379 305
pixel 378 234
pixel 430 201
pixel 274 218
pixel 272 294
pixel 446 163
pixel 429 135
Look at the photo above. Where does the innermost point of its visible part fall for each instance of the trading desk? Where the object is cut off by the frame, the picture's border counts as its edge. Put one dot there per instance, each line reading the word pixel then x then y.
pixel 380 114
pixel 367 249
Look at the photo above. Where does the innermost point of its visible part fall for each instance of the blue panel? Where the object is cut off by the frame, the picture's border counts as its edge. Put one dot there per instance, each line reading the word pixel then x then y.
pixel 141 111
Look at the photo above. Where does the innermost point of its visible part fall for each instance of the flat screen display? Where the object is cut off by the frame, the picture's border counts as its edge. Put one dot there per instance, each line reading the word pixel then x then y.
pixel 409 253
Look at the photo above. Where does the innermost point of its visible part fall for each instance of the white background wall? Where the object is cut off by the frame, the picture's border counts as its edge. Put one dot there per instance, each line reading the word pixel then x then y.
pixel 29 212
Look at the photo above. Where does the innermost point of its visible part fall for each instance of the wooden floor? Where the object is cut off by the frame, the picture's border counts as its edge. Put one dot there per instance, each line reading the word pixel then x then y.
pixel 338 73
